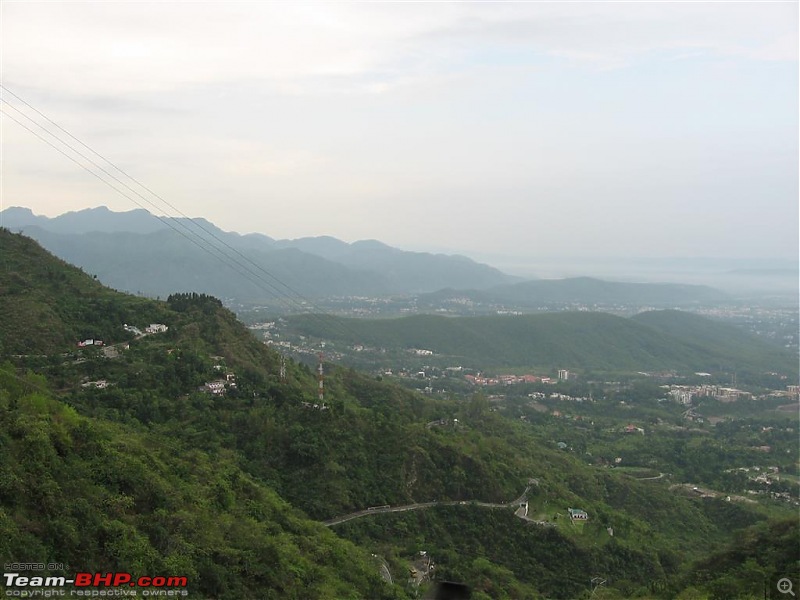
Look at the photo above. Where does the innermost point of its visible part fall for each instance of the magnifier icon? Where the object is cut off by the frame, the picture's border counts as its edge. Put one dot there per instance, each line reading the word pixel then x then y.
pixel 785 586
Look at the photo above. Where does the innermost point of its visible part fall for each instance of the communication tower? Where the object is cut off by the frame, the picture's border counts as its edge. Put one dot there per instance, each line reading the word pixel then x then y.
pixel 321 378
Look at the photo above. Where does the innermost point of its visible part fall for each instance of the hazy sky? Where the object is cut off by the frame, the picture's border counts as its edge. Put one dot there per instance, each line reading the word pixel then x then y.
pixel 528 129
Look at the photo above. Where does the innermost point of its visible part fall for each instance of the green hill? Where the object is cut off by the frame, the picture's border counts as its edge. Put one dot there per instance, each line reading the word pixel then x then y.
pixel 148 473
pixel 729 345
pixel 101 496
pixel 48 305
pixel 579 340
pixel 114 494
pixel 753 564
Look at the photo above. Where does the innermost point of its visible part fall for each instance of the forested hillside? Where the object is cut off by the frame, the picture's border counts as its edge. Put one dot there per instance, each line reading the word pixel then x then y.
pixel 103 496
pixel 162 474
pixel 576 340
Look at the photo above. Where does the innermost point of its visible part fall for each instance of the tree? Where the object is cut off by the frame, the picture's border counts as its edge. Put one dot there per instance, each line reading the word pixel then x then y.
pixel 478 406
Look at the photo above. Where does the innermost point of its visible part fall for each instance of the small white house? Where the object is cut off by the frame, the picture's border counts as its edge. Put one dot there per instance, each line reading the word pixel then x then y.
pixel 576 514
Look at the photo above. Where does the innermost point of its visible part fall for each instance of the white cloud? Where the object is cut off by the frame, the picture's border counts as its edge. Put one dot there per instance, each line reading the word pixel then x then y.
pixel 144 47
pixel 390 119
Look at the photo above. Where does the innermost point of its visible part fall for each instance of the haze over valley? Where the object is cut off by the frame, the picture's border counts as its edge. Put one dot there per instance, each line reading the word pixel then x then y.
pixel 325 301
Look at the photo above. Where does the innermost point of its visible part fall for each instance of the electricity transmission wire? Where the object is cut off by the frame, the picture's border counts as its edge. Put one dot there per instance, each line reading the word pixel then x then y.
pixel 204 244
pixel 183 224
pixel 221 250
pixel 160 198
pixel 219 257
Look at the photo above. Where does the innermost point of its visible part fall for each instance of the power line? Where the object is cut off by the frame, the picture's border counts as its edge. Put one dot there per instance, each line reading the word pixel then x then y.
pixel 123 194
pixel 143 186
pixel 281 296
pixel 122 183
pixel 222 256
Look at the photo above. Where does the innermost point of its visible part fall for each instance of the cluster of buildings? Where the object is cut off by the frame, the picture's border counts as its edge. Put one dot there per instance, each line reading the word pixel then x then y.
pixel 792 392
pixel 506 379
pixel 420 352
pixel 218 387
pixel 314 405
pixel 559 415
pixel 479 379
pixel 766 475
pixel 631 428
pixel 683 394
pixel 99 384
pixel 363 348
pixel 560 397
pixel 443 423
pixel 149 330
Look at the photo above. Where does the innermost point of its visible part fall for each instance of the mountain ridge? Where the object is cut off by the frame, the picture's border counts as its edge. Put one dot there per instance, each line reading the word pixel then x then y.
pixel 587 291
pixel 336 268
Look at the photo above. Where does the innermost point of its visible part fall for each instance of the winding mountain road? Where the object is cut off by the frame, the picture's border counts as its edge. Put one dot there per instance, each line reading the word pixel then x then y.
pixel 375 510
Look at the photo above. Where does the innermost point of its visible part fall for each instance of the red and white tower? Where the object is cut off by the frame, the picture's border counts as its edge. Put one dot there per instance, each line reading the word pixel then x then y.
pixel 321 378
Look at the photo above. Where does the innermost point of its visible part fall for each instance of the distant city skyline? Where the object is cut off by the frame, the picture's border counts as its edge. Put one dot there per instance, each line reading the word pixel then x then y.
pixel 489 129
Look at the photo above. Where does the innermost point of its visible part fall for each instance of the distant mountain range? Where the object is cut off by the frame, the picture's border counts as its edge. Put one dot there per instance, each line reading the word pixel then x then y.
pixel 583 291
pixel 138 252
